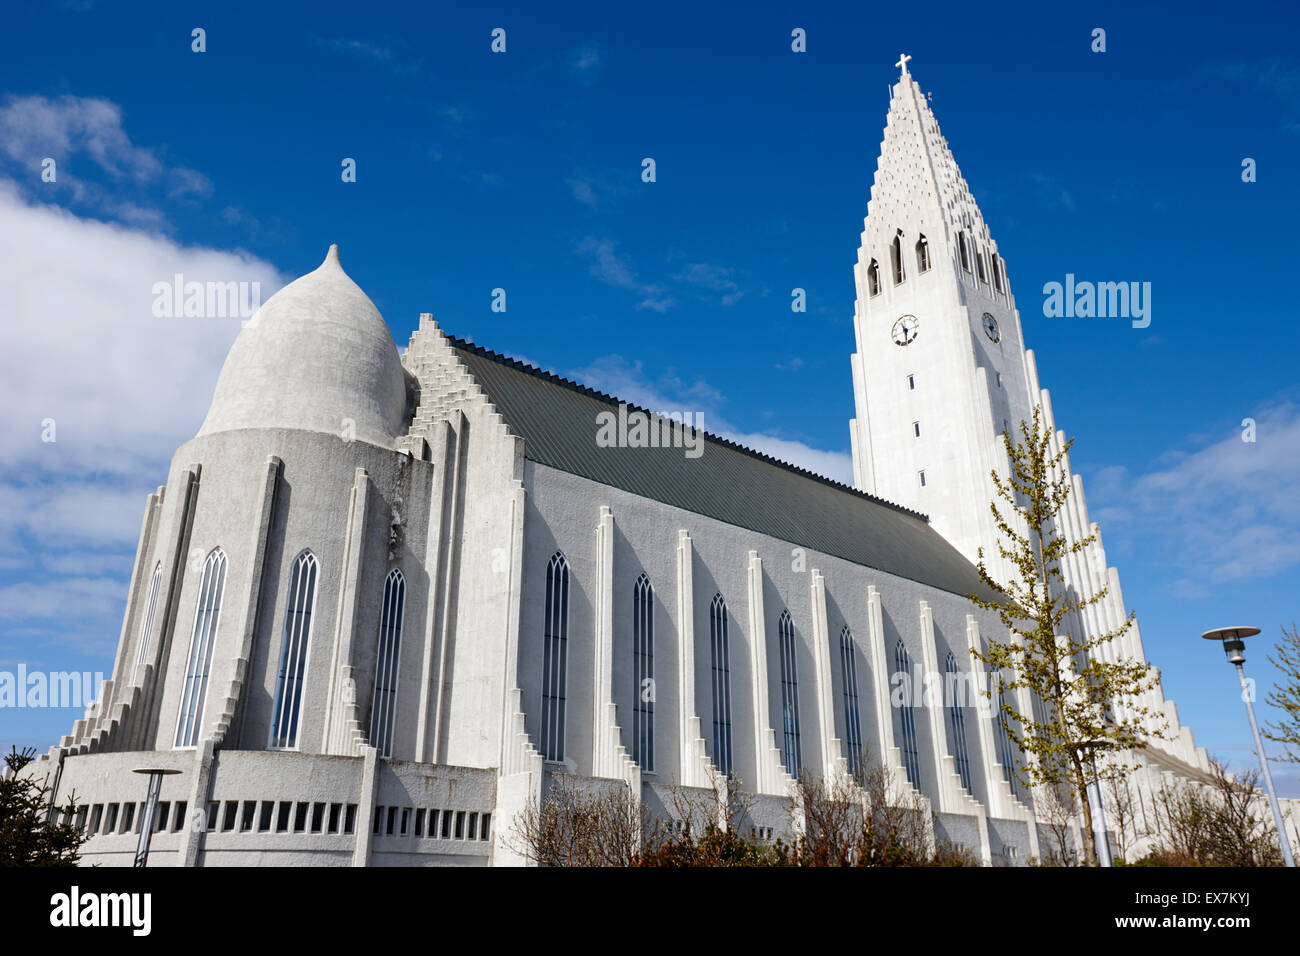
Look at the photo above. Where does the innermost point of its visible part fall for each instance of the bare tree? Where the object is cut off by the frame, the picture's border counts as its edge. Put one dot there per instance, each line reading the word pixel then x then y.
pixel 582 826
pixel 1219 824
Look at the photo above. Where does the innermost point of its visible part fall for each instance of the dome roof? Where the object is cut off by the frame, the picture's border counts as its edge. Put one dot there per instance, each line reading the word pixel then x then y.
pixel 317 356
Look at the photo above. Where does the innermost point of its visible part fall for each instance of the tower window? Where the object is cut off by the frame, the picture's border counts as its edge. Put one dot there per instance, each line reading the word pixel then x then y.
pixel 789 696
pixel 873 278
pixel 907 719
pixel 849 681
pixel 921 474
pixel 916 429
pixel 207 614
pixel 911 381
pixel 999 378
pixel 961 249
pixel 643 659
pixel 555 657
pixel 384 707
pixel 922 255
pixel 720 654
pixel 997 271
pixel 293 652
pixel 896 258
pixel 147 625
pixel 957 724
pixel 979 266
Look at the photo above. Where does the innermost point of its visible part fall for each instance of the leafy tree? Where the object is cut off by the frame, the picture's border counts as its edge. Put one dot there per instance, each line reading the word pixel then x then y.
pixel 1285 695
pixel 1090 705
pixel 27 838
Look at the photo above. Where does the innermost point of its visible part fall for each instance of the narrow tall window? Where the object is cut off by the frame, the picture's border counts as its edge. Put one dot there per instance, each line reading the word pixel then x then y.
pixel 1006 749
pixel 383 711
pixel 555 657
pixel 896 258
pixel 911 382
pixel 916 429
pixel 997 271
pixel 961 248
pixel 873 278
pixel 789 696
pixel 922 255
pixel 921 475
pixel 852 719
pixel 957 722
pixel 720 654
pixel 643 667
pixel 911 756
pixel 293 651
pixel 147 624
pixel 979 265
pixel 207 614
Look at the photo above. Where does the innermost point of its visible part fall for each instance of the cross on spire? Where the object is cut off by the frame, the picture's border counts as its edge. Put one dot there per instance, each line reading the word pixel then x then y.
pixel 902 62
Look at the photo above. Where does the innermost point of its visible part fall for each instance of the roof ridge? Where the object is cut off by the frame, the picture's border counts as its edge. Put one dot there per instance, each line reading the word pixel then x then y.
pixel 539 372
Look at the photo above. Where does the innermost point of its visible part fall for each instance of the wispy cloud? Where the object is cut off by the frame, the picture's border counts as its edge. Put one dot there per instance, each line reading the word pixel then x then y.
pixel 379 52
pixel 1052 189
pixel 612 269
pixel 585 64
pixel 83 135
pixel 1214 513
pixel 713 279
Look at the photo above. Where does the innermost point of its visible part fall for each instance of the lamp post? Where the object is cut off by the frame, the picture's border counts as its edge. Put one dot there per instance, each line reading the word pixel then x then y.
pixel 1234 647
pixel 150 810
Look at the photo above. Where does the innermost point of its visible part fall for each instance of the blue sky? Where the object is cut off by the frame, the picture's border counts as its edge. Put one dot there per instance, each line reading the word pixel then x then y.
pixel 521 171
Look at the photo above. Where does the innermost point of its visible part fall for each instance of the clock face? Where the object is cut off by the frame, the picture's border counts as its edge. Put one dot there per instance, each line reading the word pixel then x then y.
pixel 991 328
pixel 905 330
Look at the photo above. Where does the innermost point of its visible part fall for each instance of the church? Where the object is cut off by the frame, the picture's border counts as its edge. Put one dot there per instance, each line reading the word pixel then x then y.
pixel 383 600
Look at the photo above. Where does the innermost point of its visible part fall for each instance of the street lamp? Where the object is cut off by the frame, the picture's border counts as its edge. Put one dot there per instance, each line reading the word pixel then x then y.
pixel 150 809
pixel 1235 648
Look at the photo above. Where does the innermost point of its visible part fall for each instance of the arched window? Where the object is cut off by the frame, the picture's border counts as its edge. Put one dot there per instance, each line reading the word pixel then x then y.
pixel 720 656
pixel 922 255
pixel 293 651
pixel 555 657
pixel 873 278
pixel 383 711
pixel 997 271
pixel 146 625
pixel 911 756
pixel 957 722
pixel 849 681
pixel 961 248
pixel 789 696
pixel 1006 749
pixel 643 667
pixel 896 257
pixel 207 614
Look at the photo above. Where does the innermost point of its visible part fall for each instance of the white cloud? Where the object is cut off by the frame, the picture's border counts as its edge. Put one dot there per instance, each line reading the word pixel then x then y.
pixel 80 346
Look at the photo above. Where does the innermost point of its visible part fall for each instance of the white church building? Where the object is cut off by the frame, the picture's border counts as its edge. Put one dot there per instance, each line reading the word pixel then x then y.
pixel 382 599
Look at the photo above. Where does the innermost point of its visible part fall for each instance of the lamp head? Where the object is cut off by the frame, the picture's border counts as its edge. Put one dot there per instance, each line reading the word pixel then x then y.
pixel 1233 641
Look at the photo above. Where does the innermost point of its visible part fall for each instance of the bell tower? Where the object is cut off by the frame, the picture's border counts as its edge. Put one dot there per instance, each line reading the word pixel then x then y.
pixel 940 367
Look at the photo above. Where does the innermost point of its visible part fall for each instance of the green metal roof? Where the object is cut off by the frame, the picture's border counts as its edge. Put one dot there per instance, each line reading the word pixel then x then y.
pixel 557 420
